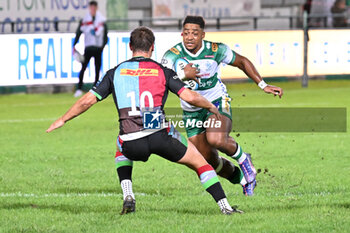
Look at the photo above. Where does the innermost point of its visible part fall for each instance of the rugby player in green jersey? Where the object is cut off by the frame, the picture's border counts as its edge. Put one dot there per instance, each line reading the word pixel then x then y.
pixel 204 59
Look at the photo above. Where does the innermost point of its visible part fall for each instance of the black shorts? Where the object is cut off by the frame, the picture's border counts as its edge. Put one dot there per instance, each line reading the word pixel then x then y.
pixel 167 143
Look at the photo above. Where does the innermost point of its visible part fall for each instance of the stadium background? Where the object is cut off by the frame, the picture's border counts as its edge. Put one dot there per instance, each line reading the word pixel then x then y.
pixel 63 182
pixel 37 37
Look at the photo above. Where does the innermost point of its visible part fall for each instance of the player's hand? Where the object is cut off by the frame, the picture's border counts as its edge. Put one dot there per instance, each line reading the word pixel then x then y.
pixel 57 124
pixel 274 90
pixel 215 111
pixel 191 73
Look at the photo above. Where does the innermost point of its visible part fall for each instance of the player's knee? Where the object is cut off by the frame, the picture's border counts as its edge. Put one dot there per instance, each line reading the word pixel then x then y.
pixel 213 161
pixel 217 141
pixel 192 157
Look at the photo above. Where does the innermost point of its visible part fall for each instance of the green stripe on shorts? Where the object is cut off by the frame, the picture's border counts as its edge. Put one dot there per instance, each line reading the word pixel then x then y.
pixel 184 140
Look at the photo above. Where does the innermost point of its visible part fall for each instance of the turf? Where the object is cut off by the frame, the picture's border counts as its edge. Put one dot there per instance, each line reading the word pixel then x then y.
pixel 66 181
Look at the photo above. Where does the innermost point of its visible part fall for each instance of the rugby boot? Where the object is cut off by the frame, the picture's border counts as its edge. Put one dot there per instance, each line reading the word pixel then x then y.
pixel 128 205
pixel 248 169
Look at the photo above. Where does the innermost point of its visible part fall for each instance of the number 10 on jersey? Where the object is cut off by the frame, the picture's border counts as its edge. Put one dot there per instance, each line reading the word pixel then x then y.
pixel 132 96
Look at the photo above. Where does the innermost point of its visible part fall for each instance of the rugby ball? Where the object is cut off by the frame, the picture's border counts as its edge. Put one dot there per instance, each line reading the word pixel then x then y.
pixel 191 84
pixel 179 67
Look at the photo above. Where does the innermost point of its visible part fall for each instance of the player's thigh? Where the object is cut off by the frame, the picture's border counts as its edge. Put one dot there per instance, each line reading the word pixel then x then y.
pixel 191 119
pixel 224 106
pixel 216 135
pixel 170 145
pixel 136 150
pixel 192 157
pixel 207 151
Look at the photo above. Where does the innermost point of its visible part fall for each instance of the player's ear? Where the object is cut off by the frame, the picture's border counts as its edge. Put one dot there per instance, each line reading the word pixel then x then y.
pixel 152 47
pixel 130 46
pixel 203 34
pixel 182 34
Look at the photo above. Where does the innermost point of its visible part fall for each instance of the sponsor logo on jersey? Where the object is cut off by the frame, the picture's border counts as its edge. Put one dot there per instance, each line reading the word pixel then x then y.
pixel 139 72
pixel 209 56
pixel 210 65
pixel 214 47
pixel 175 50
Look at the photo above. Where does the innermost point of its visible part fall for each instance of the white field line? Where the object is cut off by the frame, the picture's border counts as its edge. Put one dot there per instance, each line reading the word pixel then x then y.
pixel 26 120
pixel 19 194
pixel 296 105
pixel 68 195
pixel 37 104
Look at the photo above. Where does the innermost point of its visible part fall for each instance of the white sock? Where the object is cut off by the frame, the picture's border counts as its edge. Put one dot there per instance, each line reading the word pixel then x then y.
pixel 239 155
pixel 127 188
pixel 223 204
pixel 243 181
pixel 242 158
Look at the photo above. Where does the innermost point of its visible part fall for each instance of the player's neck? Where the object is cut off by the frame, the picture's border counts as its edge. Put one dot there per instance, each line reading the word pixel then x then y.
pixel 194 51
pixel 142 54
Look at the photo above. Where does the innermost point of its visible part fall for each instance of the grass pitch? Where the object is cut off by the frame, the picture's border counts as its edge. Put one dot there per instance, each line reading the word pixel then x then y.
pixel 66 181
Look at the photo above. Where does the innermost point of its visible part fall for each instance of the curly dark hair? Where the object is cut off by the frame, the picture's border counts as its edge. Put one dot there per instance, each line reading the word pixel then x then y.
pixel 195 20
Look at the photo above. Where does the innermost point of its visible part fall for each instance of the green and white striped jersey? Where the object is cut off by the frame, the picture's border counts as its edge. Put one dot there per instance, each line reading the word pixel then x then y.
pixel 207 60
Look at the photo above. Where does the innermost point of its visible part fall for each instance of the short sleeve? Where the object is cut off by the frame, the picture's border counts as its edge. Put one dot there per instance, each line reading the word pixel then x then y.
pixel 226 55
pixel 169 59
pixel 174 84
pixel 104 86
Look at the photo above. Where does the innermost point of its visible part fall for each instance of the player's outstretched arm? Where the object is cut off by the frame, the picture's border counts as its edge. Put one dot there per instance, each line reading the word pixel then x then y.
pixel 196 99
pixel 83 104
pixel 249 69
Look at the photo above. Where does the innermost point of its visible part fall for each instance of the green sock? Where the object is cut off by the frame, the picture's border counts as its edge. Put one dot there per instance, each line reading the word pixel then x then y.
pixel 239 155
pixel 237 177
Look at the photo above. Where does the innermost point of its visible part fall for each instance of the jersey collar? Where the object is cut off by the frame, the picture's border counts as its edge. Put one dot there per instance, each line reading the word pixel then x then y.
pixel 140 58
pixel 198 52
